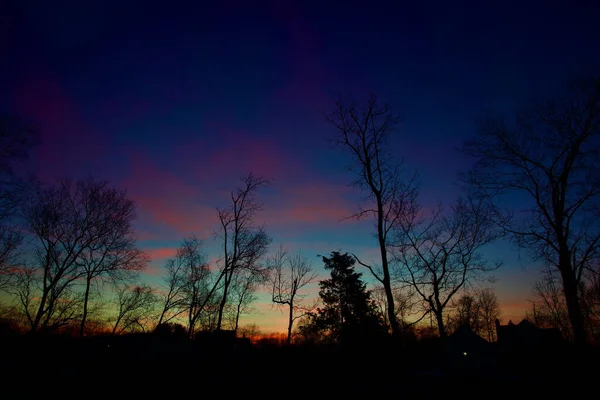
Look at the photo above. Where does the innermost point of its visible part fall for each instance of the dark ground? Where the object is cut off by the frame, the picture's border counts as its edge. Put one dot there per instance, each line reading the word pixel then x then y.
pixel 151 367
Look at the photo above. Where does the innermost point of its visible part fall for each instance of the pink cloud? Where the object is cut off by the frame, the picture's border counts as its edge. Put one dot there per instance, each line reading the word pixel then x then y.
pixel 167 200
pixel 309 202
pixel 234 153
pixel 181 204
pixel 66 142
pixel 161 253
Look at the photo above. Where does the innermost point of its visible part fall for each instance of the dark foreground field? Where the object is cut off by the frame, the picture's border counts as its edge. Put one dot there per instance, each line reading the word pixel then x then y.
pixel 153 367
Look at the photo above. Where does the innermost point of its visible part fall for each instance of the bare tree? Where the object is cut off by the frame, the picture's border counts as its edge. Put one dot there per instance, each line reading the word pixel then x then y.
pixel 489 308
pixel 550 161
pixel 64 305
pixel 243 290
pixel 290 275
pixel 363 132
pixel 10 239
pixel 24 290
pixel 250 331
pixel 590 304
pixel 405 304
pixel 171 294
pixel 68 226
pixel 549 309
pixel 244 243
pixel 194 279
pixel 135 306
pixel 440 254
pixel 207 321
pixel 466 314
pixel 111 244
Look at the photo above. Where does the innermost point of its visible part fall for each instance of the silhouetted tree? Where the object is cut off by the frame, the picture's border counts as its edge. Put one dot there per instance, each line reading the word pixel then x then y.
pixel 441 253
pixel 67 224
pixel 244 243
pixel 590 305
pixel 466 313
pixel 549 308
pixel 250 331
pixel 172 295
pixel 111 249
pixel 135 307
pixel 405 303
pixel 309 331
pixel 10 239
pixel 363 132
pixel 289 275
pixel 349 315
pixel 66 304
pixel 549 160
pixel 197 289
pixel 489 308
pixel 243 292
pixel 171 329
pixel 179 295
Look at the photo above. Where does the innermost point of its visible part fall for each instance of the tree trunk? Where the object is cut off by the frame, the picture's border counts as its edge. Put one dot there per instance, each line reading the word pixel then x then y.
pixel 386 272
pixel 440 322
pixel 116 325
pixel 237 317
pixel 572 298
pixel 223 301
pixel 160 319
pixel 191 327
pixel 85 306
pixel 290 322
pixel 40 312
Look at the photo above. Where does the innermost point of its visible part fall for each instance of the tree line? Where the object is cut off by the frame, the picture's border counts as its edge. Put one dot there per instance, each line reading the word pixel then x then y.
pixel 533 181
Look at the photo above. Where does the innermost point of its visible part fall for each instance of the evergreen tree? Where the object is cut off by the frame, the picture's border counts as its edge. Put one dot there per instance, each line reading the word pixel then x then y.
pixel 349 315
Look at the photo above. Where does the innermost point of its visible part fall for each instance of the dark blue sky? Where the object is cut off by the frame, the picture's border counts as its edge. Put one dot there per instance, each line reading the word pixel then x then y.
pixel 176 100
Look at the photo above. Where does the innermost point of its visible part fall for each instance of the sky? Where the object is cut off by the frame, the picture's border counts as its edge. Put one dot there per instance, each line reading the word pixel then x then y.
pixel 175 101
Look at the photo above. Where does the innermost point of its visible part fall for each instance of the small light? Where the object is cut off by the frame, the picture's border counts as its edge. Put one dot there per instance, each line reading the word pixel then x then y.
pixel 464 353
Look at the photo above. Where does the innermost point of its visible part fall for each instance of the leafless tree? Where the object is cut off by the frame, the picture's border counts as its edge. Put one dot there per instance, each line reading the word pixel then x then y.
pixel 10 239
pixel 290 274
pixel 363 132
pixel 243 291
pixel 24 288
pixel 549 309
pixel 135 307
pixel 405 305
pixel 64 304
pixel 111 249
pixel 172 295
pixel 543 175
pixel 196 289
pixel 244 243
pixel 207 321
pixel 490 311
pixel 250 331
pixel 466 313
pixel 67 226
pixel 591 305
pixel 440 254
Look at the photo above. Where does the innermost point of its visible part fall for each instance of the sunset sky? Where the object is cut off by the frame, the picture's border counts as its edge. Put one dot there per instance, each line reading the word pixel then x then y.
pixel 174 101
